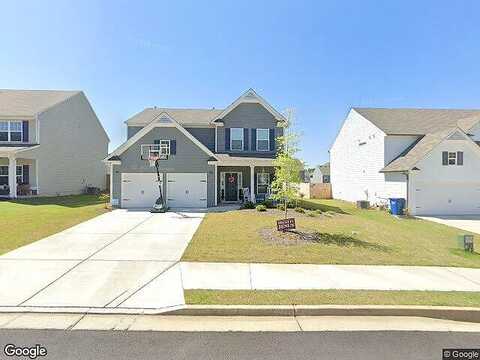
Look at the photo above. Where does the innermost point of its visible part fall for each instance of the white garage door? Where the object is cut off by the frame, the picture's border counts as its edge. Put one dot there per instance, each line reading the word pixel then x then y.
pixel 187 190
pixel 447 199
pixel 139 190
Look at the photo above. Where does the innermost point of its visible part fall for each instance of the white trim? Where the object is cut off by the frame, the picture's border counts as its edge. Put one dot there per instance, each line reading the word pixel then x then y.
pixel 244 162
pixel 256 140
pixel 250 96
pixel 268 182
pixel 9 131
pixel 252 183
pixel 216 139
pixel 216 184
pixel 243 139
pixel 162 120
pixel 111 183
pixel 36 176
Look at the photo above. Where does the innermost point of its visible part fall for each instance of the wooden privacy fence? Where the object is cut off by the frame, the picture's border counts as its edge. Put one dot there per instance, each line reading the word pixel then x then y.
pixel 316 191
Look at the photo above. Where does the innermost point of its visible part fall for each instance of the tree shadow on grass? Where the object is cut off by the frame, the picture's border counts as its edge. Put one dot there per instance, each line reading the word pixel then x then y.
pixel 344 241
pixel 71 201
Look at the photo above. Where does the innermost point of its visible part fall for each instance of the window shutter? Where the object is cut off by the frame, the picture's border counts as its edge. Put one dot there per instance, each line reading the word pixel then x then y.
pixel 254 140
pixel 444 157
pixel 156 142
pixel 460 158
pixel 227 139
pixel 173 147
pixel 25 131
pixel 272 139
pixel 26 174
pixel 245 139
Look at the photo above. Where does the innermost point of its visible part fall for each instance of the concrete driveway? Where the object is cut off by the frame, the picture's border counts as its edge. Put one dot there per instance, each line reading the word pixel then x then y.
pixel 122 259
pixel 464 222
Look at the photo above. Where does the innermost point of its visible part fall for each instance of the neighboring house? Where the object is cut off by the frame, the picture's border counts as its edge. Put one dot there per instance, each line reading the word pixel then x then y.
pixel 306 174
pixel 321 174
pixel 212 155
pixel 429 157
pixel 51 143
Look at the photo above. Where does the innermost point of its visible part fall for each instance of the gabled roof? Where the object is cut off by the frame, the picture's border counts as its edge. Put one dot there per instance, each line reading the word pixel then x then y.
pixel 419 121
pixel 28 103
pixel 325 168
pixel 250 96
pixel 163 119
pixel 184 116
pixel 421 148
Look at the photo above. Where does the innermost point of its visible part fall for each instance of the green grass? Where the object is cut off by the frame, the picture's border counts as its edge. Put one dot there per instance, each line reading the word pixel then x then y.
pixel 28 220
pixel 349 236
pixel 331 297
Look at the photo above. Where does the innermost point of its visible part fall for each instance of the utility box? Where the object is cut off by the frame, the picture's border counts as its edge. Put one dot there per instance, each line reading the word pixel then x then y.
pixel 466 242
pixel 363 204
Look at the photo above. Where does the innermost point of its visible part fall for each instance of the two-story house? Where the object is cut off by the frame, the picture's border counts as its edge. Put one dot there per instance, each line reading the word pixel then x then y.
pixel 51 143
pixel 430 157
pixel 207 156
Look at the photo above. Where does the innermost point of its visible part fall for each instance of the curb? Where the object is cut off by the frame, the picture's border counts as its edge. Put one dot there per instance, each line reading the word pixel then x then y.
pixel 436 312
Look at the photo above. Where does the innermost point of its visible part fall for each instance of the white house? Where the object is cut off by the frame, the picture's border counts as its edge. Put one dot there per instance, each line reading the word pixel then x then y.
pixel 430 157
pixel 321 174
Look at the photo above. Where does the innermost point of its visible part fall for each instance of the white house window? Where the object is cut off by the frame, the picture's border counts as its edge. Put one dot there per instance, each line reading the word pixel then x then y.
pixel 19 174
pixel 452 158
pixel 3 175
pixel 263 181
pixel 263 139
pixel 236 139
pixel 10 131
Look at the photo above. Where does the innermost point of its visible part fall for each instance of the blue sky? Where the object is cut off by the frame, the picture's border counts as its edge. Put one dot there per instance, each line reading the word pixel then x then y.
pixel 319 57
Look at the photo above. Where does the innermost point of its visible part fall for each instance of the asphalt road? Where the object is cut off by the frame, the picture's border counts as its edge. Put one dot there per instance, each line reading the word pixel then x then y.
pixel 99 345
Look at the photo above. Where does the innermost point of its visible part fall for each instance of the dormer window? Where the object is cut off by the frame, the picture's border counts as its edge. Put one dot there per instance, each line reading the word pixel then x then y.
pixel 263 139
pixel 236 139
pixel 10 131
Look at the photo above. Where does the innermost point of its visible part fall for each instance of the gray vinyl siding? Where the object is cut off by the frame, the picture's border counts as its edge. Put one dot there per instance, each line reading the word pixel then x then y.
pixel 250 116
pixel 205 135
pixel 188 159
pixel 132 130
pixel 73 144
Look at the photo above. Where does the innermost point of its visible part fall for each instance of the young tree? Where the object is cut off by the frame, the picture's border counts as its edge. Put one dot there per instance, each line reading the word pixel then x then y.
pixel 287 170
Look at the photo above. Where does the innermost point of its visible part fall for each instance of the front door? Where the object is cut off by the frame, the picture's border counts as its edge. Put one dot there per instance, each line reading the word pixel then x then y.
pixel 231 187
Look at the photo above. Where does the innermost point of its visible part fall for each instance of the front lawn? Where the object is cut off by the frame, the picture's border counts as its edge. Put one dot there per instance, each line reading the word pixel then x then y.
pixel 331 297
pixel 347 236
pixel 28 220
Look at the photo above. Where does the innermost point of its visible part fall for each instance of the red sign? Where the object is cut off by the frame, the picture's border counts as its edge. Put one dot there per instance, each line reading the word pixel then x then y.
pixel 286 224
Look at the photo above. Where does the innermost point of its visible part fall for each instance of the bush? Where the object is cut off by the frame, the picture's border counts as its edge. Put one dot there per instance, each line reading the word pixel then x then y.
pixel 312 214
pixel 318 211
pixel 300 210
pixel 261 207
pixel 268 204
pixel 248 205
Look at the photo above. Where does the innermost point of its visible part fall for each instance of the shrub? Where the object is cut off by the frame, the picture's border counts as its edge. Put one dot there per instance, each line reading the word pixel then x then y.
pixel 312 214
pixel 261 207
pixel 318 211
pixel 248 205
pixel 268 204
pixel 300 210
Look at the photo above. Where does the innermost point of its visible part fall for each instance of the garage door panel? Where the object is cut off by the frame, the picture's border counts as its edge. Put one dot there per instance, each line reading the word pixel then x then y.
pixel 436 198
pixel 139 190
pixel 187 190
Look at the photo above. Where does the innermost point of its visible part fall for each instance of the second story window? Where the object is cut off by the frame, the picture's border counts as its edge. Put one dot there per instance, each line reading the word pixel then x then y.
pixel 10 131
pixel 236 139
pixel 263 139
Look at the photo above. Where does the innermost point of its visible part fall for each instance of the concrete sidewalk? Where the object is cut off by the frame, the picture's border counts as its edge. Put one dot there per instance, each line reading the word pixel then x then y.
pixel 466 222
pixel 236 276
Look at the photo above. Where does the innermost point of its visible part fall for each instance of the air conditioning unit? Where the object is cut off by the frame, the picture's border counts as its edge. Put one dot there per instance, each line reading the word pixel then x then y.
pixel 363 204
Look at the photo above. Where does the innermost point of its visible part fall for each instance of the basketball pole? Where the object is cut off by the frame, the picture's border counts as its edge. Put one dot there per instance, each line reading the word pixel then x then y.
pixel 159 206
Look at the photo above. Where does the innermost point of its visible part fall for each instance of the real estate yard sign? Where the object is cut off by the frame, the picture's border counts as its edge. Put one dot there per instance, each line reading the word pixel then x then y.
pixel 286 224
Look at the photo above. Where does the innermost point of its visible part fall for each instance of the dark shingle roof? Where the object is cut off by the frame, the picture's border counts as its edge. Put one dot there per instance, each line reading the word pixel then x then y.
pixel 419 121
pixel 183 116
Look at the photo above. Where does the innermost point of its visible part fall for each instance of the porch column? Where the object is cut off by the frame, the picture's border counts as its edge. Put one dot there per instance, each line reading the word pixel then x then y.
pixel 252 183
pixel 12 176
